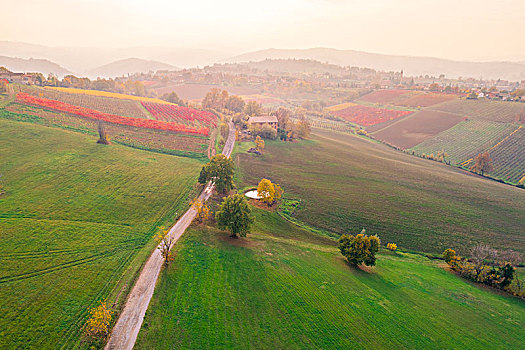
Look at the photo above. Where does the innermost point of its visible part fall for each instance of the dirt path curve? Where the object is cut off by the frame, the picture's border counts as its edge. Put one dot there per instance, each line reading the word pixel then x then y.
pixel 125 331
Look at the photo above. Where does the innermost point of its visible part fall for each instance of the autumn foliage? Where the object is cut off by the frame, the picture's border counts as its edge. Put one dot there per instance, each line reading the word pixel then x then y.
pixel 269 192
pixel 110 118
pixel 97 326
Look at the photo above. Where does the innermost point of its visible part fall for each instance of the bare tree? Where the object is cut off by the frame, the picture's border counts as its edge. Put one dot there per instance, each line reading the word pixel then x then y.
pixel 102 133
pixel 479 254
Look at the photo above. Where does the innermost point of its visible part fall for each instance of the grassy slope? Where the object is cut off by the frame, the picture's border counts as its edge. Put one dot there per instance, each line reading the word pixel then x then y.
pixel 75 225
pixel 347 183
pixel 286 288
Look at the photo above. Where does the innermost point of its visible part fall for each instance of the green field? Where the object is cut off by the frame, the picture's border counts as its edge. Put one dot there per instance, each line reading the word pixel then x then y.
pixel 466 139
pixel 287 288
pixel 76 223
pixel 345 183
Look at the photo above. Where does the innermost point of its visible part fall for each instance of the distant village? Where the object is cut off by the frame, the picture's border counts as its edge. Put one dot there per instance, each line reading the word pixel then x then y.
pixel 261 76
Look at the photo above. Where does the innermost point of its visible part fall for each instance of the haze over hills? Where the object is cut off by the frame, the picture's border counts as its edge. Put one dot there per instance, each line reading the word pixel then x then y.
pixel 89 60
pixel 128 66
pixel 44 66
pixel 411 65
pixel 82 59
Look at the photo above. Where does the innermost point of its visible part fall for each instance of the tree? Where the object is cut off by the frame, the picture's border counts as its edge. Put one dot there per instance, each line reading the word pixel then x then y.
pixel 235 104
pixel 441 156
pixel 283 116
pixel 449 255
pixel 234 214
pixel 360 248
pixel 165 241
pixel 479 253
pixel 253 108
pixel 202 209
pixel 259 144
pixel 203 177
pixel 102 133
pixel 98 323
pixel 303 128
pixel 482 164
pixel 173 98
pixel 220 170
pixel 269 192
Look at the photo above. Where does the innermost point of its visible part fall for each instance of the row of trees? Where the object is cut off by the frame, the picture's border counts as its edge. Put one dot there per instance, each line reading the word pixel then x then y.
pixel 489 266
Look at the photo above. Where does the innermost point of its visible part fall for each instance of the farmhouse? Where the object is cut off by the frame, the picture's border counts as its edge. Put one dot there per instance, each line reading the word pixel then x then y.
pixel 270 120
pixel 21 78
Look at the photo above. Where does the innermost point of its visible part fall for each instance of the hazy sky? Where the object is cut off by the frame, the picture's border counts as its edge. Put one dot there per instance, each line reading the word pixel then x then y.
pixel 456 29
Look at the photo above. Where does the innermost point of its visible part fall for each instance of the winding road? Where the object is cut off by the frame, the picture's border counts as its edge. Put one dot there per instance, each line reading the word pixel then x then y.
pixel 127 327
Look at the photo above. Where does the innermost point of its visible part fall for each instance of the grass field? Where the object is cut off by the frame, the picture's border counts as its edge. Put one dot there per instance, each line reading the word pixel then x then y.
pixel 287 288
pixel 163 141
pixel 345 183
pixel 76 223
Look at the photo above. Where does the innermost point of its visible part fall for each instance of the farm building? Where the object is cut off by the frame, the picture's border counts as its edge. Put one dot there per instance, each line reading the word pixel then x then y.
pixel 270 120
pixel 21 78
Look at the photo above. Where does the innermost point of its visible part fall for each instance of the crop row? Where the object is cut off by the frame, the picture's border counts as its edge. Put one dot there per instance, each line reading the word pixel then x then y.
pixel 109 105
pixel 366 116
pixel 466 139
pixel 508 157
pixel 110 118
pixel 499 111
pixel 172 113
pixel 108 94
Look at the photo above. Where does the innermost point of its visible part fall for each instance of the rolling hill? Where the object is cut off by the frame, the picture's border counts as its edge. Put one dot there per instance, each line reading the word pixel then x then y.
pixel 43 66
pixel 410 65
pixel 128 66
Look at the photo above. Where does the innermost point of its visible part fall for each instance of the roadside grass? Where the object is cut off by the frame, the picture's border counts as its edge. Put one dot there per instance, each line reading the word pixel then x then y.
pixel 346 183
pixel 76 224
pixel 287 288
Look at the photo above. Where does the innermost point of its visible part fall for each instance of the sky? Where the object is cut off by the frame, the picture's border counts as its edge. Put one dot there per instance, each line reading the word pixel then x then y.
pixel 475 30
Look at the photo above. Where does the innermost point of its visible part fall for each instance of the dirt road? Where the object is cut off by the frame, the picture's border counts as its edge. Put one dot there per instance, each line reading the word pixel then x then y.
pixel 125 331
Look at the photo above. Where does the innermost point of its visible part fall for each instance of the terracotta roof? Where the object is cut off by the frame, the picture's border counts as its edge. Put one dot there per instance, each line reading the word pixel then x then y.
pixel 263 119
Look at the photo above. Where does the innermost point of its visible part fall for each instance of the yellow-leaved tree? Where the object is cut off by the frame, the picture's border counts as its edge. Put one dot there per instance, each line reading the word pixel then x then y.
pixel 203 211
pixel 259 144
pixel 268 192
pixel 97 326
pixel 165 241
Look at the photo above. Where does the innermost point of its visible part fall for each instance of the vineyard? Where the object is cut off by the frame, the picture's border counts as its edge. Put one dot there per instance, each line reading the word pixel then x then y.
pixel 366 116
pixel 110 105
pixel 508 157
pixel 110 118
pixel 108 94
pixel 498 111
pixel 188 116
pixel 418 127
pixel 466 139
pixel 407 98
pixel 151 139
pixel 426 99
pixel 385 96
pixel 340 106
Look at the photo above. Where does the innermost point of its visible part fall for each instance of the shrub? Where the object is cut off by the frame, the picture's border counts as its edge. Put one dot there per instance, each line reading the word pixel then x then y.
pixel 392 246
pixel 360 248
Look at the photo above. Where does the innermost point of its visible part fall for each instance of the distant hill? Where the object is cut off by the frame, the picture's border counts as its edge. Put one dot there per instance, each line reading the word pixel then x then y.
pixel 128 66
pixel 83 59
pixel 43 66
pixel 411 65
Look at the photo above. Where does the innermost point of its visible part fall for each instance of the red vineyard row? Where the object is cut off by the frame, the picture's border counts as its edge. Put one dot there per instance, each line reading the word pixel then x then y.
pixel 171 113
pixel 367 116
pixel 110 118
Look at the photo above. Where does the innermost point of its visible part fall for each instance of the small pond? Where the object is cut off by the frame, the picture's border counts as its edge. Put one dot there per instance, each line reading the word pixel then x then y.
pixel 252 194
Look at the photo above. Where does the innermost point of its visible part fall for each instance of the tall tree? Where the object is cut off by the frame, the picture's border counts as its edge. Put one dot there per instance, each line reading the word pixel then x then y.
pixel 220 170
pixel 234 214
pixel 253 108
pixel 482 164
